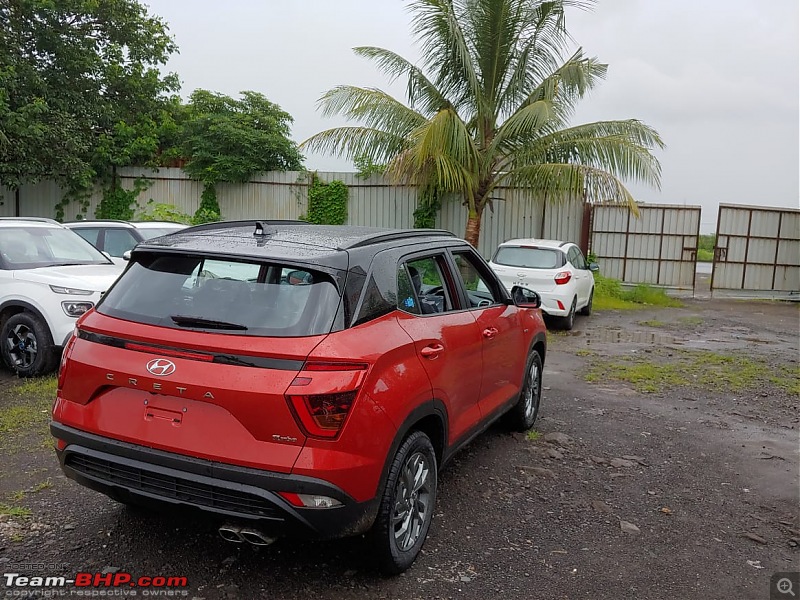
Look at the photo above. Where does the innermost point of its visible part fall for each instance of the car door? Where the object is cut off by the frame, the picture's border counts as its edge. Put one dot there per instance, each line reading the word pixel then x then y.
pixel 582 274
pixel 503 341
pixel 446 337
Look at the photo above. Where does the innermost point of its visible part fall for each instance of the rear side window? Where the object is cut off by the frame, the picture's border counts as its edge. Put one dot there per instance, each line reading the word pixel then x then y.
pixel 529 257
pixel 246 298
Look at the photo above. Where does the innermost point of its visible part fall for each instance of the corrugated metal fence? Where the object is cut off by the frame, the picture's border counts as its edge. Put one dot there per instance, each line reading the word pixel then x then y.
pixel 374 201
pixel 757 252
pixel 660 247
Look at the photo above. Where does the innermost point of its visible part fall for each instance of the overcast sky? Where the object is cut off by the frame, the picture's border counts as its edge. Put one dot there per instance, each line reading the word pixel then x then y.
pixel 717 78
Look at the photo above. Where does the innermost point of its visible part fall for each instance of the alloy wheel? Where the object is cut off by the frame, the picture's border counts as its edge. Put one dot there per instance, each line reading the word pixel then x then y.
pixel 532 390
pixel 412 506
pixel 22 347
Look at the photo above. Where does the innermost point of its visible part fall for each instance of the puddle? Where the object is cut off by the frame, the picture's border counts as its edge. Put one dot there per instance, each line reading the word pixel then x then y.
pixel 622 336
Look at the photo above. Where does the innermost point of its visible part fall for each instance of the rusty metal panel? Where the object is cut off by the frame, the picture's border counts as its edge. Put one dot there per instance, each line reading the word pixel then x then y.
pixel 658 247
pixel 757 252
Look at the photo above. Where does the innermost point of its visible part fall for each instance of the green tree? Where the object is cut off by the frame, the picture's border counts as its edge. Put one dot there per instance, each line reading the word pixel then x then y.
pixel 490 106
pixel 80 88
pixel 224 139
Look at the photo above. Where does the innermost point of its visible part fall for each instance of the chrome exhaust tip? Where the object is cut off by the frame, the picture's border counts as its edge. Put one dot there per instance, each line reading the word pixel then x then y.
pixel 256 538
pixel 231 533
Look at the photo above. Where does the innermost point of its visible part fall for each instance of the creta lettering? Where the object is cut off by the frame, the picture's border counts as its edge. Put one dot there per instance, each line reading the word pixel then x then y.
pixel 157 387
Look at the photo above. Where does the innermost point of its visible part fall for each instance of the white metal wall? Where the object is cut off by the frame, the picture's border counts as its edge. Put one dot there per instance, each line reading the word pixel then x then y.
pixel 658 247
pixel 757 251
pixel 283 195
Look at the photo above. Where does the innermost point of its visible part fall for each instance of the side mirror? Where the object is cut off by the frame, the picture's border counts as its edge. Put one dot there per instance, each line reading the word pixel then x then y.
pixel 594 267
pixel 126 255
pixel 525 298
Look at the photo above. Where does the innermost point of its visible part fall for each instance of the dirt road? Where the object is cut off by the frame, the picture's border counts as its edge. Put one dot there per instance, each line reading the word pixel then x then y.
pixel 665 465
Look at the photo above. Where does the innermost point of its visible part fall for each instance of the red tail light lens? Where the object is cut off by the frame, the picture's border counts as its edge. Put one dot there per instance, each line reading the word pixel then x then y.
pixel 323 415
pixel 563 277
pixel 62 366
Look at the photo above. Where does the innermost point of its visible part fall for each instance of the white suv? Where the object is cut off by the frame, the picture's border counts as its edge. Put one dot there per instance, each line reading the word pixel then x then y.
pixel 556 270
pixel 49 276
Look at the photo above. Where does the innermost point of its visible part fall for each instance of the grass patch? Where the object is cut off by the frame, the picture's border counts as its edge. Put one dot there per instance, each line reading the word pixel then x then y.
pixel 691 321
pixel 707 370
pixel 609 295
pixel 26 410
pixel 44 485
pixel 14 511
pixel 652 323
pixel 532 435
pixel 42 387
pixel 585 353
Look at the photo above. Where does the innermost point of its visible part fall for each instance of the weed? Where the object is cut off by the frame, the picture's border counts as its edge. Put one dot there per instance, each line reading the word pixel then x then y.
pixel 691 321
pixel 652 323
pixel 14 511
pixel 584 352
pixel 707 370
pixel 533 435
pixel 17 537
pixel 17 496
pixel 41 486
pixel 609 295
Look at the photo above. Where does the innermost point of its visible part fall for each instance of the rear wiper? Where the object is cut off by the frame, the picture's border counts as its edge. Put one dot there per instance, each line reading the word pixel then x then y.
pixel 185 321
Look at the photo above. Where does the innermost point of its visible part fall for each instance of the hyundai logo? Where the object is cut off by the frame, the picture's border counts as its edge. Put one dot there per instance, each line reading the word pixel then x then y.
pixel 161 367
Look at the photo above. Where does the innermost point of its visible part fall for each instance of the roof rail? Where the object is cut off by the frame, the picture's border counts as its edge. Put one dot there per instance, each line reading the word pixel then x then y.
pixel 398 235
pixel 246 223
pixel 39 219
pixel 99 221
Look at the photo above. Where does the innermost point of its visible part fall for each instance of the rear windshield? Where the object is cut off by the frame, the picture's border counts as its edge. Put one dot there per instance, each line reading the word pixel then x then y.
pixel 246 298
pixel 529 257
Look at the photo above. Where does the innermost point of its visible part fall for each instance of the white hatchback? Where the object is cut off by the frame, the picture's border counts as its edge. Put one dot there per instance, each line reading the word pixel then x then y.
pixel 49 276
pixel 556 270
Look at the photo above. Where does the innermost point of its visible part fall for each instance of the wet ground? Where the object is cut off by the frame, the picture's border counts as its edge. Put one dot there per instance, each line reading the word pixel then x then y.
pixel 665 465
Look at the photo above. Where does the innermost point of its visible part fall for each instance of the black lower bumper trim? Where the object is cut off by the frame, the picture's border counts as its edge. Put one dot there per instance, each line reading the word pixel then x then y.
pixel 137 474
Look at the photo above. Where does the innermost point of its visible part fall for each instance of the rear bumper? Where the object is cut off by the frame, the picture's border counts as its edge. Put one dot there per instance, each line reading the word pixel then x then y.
pixel 126 471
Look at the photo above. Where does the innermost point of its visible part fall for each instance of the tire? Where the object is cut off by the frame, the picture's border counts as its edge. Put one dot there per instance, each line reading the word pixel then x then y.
pixel 27 346
pixel 587 310
pixel 523 415
pixel 399 532
pixel 567 322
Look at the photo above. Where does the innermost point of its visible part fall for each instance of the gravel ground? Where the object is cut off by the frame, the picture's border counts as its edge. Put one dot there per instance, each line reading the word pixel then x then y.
pixel 685 491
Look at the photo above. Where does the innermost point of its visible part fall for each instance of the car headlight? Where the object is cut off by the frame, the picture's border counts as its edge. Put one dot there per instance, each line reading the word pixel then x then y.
pixel 76 308
pixel 71 291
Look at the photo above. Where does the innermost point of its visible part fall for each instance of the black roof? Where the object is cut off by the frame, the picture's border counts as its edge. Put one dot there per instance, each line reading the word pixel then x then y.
pixel 285 239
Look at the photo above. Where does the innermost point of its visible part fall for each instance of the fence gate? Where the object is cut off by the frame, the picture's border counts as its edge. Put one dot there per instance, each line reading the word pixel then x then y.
pixel 659 247
pixel 757 252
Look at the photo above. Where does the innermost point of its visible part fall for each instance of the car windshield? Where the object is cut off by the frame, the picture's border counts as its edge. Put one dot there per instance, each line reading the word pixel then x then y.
pixel 529 257
pixel 153 232
pixel 236 297
pixel 36 247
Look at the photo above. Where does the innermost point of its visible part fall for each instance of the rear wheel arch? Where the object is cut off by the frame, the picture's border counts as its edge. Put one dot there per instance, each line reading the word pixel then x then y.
pixel 431 419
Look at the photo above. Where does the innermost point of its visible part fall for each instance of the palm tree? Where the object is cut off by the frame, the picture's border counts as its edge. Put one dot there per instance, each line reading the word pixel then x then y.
pixel 490 107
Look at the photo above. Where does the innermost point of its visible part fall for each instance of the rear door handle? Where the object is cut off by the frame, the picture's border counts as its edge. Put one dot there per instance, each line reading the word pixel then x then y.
pixel 432 352
pixel 490 332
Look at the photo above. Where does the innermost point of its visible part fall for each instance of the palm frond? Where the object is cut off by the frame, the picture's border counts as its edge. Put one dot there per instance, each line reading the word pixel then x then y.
pixel 421 93
pixel 350 142
pixel 623 148
pixel 374 108
pixel 562 181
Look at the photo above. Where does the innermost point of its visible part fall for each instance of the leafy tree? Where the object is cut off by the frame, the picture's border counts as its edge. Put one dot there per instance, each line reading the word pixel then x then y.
pixel 224 139
pixel 80 88
pixel 490 106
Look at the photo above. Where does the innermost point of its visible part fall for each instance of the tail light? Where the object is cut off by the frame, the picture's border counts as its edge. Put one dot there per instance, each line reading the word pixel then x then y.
pixel 322 396
pixel 62 366
pixel 563 277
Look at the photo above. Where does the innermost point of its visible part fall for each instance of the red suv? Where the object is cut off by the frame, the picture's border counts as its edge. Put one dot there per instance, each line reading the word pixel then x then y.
pixel 293 379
